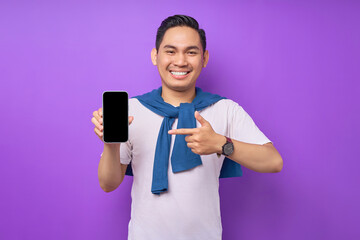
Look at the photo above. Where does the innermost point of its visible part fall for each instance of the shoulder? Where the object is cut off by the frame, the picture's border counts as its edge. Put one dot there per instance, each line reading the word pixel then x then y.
pixel 138 109
pixel 133 101
pixel 135 104
pixel 227 105
pixel 223 111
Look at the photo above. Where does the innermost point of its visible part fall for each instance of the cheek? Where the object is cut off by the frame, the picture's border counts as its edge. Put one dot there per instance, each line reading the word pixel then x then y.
pixel 163 69
pixel 197 62
pixel 197 65
pixel 163 63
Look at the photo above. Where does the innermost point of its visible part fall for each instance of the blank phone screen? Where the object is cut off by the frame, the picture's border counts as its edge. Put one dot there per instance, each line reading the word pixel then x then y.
pixel 115 116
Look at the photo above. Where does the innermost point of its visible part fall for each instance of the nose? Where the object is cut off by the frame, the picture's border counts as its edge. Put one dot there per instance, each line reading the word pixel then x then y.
pixel 180 60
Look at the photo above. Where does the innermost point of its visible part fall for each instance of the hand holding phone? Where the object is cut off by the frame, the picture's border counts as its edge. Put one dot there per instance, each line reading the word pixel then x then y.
pixel 115 117
pixel 98 119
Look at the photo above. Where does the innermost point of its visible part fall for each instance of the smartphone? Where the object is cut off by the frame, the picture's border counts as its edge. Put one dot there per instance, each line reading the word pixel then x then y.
pixel 115 107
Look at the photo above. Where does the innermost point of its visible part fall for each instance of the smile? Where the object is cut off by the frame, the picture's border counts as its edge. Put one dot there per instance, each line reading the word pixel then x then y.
pixel 179 73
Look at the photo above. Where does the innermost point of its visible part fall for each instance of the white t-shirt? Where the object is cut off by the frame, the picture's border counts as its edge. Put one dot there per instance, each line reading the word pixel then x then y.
pixel 190 209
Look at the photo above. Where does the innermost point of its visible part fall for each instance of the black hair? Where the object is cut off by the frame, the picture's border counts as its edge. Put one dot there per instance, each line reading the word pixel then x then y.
pixel 179 20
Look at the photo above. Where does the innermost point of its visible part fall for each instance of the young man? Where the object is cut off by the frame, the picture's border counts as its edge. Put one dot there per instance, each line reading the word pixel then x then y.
pixel 181 141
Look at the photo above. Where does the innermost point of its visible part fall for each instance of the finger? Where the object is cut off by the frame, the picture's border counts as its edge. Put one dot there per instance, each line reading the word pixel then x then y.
pixel 183 131
pixel 191 145
pixel 97 131
pixel 98 117
pixel 131 118
pixel 100 112
pixel 201 120
pixel 190 138
pixel 194 151
pixel 97 124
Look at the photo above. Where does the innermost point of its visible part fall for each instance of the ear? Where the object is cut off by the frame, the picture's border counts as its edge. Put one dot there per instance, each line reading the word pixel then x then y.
pixel 154 56
pixel 206 58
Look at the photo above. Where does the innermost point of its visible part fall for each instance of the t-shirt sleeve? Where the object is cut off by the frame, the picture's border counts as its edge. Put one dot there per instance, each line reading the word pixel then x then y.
pixel 125 152
pixel 243 128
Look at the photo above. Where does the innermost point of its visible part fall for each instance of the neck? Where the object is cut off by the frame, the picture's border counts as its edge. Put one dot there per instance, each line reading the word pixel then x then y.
pixel 175 98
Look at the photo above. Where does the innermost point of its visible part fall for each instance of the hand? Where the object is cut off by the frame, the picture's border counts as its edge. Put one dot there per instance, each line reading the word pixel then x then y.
pixel 203 140
pixel 97 120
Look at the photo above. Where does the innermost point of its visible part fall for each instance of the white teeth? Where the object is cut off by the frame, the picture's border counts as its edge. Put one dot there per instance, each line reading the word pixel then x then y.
pixel 179 73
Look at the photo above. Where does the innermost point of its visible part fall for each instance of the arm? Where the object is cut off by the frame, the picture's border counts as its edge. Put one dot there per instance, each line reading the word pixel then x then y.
pixel 260 158
pixel 204 140
pixel 110 171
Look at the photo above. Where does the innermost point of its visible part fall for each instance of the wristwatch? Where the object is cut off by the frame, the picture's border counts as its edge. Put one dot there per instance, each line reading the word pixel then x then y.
pixel 228 147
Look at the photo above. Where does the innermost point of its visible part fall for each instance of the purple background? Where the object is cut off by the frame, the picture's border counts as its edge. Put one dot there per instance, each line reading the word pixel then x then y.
pixel 292 65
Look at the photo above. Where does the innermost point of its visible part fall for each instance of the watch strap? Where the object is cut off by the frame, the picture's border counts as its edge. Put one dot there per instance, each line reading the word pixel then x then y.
pixel 228 140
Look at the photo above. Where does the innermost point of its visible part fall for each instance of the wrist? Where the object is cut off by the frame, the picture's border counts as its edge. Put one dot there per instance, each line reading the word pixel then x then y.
pixel 220 143
pixel 112 147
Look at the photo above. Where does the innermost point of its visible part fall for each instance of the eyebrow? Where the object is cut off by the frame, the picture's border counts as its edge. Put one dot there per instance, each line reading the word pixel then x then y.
pixel 188 48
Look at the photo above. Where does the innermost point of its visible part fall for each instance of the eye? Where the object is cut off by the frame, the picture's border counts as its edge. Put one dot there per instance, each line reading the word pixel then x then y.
pixel 192 53
pixel 170 52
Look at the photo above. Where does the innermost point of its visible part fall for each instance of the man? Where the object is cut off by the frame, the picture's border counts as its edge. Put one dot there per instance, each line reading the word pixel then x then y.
pixel 181 141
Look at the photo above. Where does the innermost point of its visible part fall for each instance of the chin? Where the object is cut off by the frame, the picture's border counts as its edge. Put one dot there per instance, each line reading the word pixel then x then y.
pixel 179 87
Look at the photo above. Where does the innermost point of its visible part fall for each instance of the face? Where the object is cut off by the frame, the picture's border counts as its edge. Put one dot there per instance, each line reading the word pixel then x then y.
pixel 180 58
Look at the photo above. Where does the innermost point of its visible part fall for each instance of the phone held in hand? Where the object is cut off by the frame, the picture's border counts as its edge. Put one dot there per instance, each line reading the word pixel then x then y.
pixel 115 107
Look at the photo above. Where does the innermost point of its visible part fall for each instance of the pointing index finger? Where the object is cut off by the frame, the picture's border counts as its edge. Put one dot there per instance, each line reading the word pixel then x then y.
pixel 182 131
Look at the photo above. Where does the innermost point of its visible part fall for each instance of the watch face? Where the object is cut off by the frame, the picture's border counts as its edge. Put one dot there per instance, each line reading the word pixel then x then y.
pixel 228 148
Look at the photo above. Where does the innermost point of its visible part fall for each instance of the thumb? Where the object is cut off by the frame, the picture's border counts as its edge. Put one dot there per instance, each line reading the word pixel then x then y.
pixel 200 118
pixel 131 118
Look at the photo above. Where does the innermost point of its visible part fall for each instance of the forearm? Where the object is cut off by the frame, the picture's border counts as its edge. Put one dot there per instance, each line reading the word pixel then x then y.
pixel 110 173
pixel 259 158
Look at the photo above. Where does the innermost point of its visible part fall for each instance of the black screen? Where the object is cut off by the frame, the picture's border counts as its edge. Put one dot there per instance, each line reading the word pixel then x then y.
pixel 115 116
